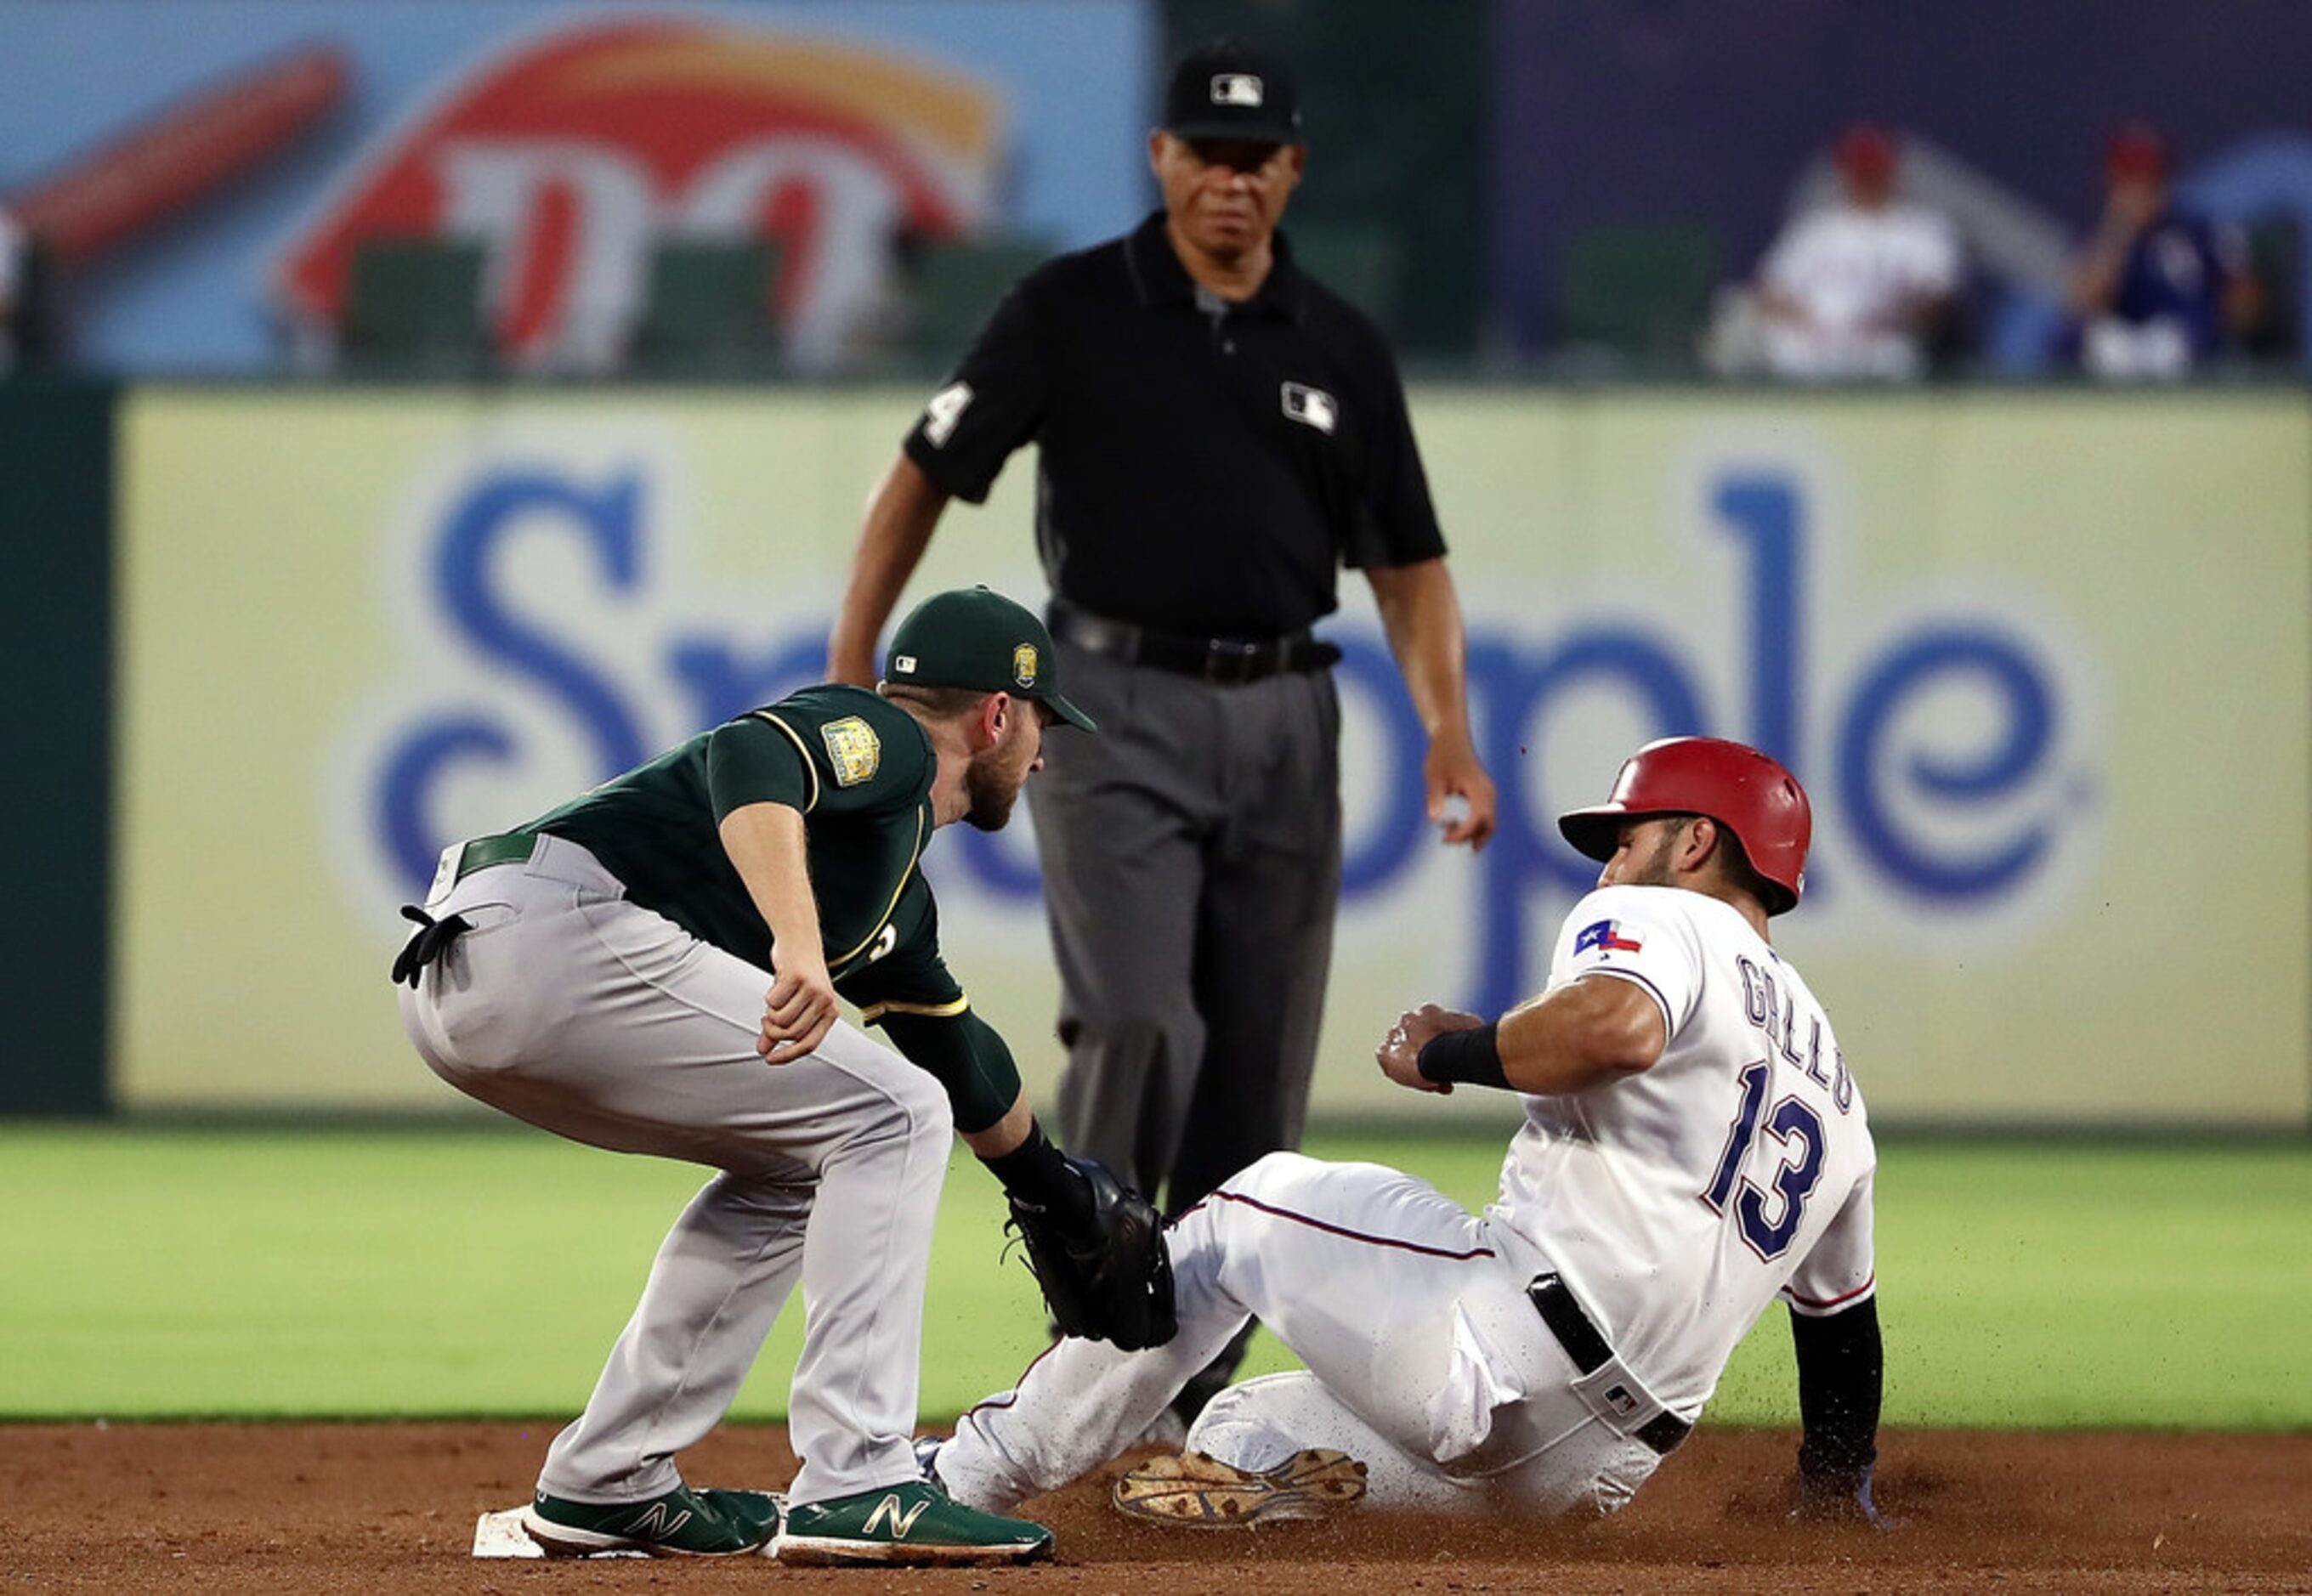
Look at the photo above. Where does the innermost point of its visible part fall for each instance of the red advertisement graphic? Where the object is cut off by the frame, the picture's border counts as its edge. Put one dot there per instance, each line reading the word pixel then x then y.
pixel 167 159
pixel 571 154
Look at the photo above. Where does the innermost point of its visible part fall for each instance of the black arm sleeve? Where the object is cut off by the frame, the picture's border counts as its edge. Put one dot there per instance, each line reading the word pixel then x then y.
pixel 1842 1368
pixel 966 1055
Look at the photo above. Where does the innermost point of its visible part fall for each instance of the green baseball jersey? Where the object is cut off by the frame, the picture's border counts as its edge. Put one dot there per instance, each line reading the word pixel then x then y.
pixel 859 770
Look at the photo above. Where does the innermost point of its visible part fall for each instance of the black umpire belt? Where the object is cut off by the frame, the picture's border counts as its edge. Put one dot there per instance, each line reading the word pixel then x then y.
pixel 1589 1353
pixel 1227 661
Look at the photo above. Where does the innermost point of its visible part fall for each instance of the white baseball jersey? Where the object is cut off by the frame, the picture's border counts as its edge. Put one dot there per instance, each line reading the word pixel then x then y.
pixel 1678 1203
pixel 1852 270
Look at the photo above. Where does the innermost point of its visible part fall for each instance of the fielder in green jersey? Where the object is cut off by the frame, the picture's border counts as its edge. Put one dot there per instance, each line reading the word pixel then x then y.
pixel 654 967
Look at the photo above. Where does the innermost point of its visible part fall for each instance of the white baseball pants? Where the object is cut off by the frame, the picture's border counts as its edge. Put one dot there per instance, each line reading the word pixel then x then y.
pixel 569 1007
pixel 1426 1360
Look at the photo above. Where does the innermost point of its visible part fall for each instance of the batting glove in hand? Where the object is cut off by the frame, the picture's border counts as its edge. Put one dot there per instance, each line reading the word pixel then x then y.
pixel 1107 1277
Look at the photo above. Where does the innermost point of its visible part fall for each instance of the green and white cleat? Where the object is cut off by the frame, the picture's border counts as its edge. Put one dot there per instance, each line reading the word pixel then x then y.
pixel 914 1525
pixel 1193 1491
pixel 758 1513
pixel 682 1523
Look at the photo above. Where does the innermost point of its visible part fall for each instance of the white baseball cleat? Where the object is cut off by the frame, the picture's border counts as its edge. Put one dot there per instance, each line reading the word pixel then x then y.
pixel 1193 1491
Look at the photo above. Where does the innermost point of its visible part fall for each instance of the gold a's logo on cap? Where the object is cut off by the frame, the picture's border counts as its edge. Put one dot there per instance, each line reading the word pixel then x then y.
pixel 1023 665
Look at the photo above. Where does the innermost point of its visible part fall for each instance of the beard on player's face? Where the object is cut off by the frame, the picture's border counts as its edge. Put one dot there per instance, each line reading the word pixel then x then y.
pixel 993 790
pixel 993 779
pixel 1645 855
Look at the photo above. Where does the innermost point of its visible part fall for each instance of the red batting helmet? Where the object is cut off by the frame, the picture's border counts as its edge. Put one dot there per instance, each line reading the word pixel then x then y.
pixel 1732 783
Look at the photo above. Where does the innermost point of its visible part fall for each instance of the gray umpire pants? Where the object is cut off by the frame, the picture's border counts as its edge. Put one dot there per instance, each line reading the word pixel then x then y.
pixel 1191 855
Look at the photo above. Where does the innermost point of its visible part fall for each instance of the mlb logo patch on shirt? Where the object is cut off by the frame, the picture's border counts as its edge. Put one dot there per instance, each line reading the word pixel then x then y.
pixel 1311 407
pixel 853 749
pixel 1605 937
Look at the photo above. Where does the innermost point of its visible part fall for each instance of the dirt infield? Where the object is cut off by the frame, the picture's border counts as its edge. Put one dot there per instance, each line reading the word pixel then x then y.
pixel 391 1508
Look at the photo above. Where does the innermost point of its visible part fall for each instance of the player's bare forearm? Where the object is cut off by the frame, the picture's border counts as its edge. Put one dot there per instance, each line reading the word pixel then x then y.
pixel 1584 1035
pixel 1421 618
pixel 766 844
pixel 902 513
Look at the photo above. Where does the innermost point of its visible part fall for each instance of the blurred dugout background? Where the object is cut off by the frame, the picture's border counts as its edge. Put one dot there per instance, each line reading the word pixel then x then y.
pixel 418 412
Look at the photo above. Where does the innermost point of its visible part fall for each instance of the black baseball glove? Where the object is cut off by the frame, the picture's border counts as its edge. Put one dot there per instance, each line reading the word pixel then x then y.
pixel 1107 1277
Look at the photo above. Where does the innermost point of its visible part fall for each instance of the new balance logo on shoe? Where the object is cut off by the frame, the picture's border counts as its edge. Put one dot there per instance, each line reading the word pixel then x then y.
pixel 910 1525
pixel 889 1515
pixel 660 1521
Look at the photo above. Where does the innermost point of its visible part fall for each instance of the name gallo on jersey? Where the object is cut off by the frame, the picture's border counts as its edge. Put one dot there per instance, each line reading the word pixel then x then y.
pixel 1778 1017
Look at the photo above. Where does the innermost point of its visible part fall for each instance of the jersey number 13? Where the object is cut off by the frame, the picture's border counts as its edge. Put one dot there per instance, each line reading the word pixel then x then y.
pixel 1768 1220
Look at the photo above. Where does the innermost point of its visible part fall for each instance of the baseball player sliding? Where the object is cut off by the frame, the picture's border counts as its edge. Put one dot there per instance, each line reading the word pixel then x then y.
pixel 602 972
pixel 1693 1146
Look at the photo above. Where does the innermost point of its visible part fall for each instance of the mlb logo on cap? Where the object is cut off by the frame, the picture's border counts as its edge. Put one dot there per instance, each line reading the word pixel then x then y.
pixel 1230 89
pixel 1236 88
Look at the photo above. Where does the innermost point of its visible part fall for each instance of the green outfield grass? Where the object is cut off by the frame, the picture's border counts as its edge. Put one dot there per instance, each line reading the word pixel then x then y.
pixel 163 1273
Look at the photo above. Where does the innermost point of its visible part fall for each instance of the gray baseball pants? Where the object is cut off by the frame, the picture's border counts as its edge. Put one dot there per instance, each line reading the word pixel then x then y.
pixel 571 1008
pixel 1192 864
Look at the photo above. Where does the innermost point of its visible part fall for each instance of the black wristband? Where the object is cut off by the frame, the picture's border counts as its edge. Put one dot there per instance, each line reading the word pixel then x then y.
pixel 1464 1057
pixel 1039 1174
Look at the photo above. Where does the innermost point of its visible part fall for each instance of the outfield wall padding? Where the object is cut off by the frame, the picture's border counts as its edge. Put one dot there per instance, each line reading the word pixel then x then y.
pixel 55 681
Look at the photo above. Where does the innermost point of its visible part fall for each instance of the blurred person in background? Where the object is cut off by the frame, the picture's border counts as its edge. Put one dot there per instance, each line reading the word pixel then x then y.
pixel 1217 433
pixel 14 251
pixel 2159 290
pixel 1866 287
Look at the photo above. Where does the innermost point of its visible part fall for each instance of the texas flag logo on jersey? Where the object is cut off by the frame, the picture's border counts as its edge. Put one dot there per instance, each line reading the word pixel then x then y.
pixel 1605 937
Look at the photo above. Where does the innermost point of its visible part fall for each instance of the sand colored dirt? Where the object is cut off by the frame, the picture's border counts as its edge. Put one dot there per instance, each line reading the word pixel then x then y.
pixel 304 1508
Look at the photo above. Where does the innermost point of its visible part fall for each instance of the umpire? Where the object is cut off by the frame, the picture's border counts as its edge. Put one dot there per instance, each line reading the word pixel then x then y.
pixel 1218 433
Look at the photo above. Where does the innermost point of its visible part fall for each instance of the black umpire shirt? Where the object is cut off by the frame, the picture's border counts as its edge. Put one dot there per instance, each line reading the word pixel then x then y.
pixel 1205 469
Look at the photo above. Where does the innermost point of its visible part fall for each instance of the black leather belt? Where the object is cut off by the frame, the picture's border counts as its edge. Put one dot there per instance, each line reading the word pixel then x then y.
pixel 1589 1353
pixel 1227 661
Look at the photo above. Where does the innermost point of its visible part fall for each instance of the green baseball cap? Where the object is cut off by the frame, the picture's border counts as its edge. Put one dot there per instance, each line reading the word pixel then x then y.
pixel 976 637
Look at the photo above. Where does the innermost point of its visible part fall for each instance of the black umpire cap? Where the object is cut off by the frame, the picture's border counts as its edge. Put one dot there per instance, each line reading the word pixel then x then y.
pixel 1230 89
